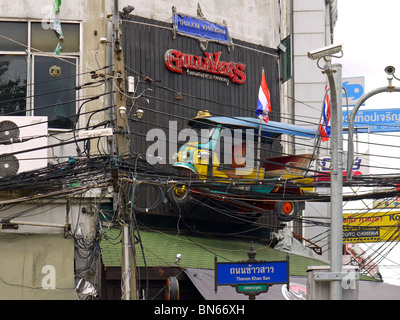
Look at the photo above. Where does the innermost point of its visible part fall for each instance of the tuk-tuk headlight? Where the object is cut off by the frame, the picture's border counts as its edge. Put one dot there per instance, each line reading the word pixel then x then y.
pixel 203 154
pixel 185 155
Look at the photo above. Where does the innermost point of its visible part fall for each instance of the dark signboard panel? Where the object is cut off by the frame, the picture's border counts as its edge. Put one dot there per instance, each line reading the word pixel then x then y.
pixel 179 96
pixel 165 94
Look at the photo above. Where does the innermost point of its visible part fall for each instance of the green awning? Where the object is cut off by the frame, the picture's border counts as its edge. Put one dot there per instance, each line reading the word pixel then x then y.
pixel 36 267
pixel 161 248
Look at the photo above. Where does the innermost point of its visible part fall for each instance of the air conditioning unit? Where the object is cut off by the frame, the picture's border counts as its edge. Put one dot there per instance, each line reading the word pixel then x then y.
pixel 23 142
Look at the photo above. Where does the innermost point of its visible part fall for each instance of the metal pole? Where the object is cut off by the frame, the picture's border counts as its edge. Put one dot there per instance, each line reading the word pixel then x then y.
pixel 350 143
pixel 334 74
pixel 259 150
pixel 128 264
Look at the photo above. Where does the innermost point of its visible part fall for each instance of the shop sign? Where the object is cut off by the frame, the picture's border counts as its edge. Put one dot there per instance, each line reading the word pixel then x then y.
pixel 371 227
pixel 372 219
pixel 208 66
pixel 370 234
pixel 374 120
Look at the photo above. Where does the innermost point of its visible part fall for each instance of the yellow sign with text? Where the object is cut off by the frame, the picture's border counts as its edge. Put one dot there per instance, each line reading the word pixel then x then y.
pixel 371 227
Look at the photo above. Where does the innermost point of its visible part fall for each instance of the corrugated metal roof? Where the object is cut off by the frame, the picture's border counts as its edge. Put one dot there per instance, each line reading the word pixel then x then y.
pixel 160 249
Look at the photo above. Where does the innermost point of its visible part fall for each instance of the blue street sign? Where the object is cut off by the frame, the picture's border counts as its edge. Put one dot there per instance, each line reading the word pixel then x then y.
pixel 200 28
pixel 252 273
pixel 374 120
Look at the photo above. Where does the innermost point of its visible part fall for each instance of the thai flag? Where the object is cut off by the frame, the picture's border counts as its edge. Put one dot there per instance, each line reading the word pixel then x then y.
pixel 264 100
pixel 325 127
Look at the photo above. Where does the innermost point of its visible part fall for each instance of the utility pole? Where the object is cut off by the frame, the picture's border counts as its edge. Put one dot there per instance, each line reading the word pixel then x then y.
pixel 128 265
pixel 334 74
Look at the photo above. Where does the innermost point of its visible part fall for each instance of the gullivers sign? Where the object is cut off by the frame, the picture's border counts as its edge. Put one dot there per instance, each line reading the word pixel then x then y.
pixel 176 61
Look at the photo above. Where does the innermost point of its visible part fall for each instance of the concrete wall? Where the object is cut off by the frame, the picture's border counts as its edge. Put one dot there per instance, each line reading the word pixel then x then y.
pixel 256 21
pixel 309 82
pixel 312 30
pixel 265 22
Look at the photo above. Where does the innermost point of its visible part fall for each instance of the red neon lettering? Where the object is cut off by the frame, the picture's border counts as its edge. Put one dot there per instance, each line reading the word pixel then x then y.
pixel 176 61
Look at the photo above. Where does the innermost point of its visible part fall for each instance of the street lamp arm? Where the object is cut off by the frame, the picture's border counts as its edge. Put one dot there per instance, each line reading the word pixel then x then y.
pixel 350 143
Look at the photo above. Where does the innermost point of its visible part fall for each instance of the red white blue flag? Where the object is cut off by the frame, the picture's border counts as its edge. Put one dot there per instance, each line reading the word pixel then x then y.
pixel 264 100
pixel 325 126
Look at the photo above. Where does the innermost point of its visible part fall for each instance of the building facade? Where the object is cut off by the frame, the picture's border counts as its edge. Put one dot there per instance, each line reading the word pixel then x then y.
pixel 57 76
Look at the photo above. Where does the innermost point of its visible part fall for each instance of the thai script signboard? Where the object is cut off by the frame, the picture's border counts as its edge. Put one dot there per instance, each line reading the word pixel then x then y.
pixel 374 120
pixel 252 273
pixel 371 227
pixel 251 277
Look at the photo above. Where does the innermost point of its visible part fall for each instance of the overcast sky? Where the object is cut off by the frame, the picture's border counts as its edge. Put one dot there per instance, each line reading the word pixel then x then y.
pixel 368 31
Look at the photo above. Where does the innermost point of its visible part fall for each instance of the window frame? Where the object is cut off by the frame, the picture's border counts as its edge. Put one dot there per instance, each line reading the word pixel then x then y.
pixel 32 86
pixel 29 52
pixel 286 60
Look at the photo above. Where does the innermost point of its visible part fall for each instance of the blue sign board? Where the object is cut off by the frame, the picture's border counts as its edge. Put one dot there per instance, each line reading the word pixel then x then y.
pixel 252 273
pixel 374 120
pixel 354 90
pixel 200 28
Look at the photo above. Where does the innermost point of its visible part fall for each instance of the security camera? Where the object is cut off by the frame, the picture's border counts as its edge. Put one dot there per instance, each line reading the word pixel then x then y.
pixel 139 113
pixel 122 111
pixel 178 258
pixel 390 70
pixel 282 47
pixel 325 51
pixel 128 9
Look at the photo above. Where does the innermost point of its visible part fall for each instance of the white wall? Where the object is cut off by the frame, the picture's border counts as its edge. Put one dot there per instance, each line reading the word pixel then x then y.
pixel 311 31
pixel 309 34
pixel 26 9
pixel 255 21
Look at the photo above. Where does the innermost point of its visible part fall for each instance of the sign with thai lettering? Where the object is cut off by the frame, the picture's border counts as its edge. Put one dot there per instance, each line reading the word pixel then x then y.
pixel 252 287
pixel 208 66
pixel 372 219
pixel 252 273
pixel 374 120
pixel 201 28
pixel 371 227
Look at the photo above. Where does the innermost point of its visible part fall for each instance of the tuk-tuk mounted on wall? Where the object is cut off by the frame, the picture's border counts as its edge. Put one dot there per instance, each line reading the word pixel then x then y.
pixel 228 165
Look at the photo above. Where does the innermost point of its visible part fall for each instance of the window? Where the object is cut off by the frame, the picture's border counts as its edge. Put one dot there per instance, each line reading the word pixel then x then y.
pixel 17 31
pixel 54 90
pixel 13 84
pixel 45 39
pixel 34 81
pixel 286 60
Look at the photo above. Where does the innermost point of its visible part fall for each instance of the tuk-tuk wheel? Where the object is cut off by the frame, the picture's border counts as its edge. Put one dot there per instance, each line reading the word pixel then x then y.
pixel 286 210
pixel 179 196
pixel 180 192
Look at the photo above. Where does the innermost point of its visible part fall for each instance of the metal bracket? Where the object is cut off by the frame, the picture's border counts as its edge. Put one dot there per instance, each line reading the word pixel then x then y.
pixel 328 276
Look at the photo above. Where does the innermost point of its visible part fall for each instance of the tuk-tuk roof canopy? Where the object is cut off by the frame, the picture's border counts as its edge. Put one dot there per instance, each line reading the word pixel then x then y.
pixel 270 130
